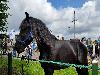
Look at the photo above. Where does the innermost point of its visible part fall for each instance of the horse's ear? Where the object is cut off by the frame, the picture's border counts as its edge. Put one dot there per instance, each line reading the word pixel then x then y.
pixel 27 15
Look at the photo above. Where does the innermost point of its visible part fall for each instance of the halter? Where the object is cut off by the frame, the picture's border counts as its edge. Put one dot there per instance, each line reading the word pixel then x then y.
pixel 29 34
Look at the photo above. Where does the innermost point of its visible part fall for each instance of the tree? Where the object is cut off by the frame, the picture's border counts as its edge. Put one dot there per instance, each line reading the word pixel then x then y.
pixel 3 15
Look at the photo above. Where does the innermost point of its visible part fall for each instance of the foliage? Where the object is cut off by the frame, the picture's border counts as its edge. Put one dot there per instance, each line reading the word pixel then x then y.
pixel 34 68
pixel 3 15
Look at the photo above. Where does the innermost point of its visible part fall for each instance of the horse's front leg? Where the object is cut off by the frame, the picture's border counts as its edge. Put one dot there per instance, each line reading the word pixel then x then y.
pixel 48 71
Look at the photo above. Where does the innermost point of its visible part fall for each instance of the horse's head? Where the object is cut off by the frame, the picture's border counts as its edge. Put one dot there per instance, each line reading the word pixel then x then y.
pixel 25 36
pixel 22 42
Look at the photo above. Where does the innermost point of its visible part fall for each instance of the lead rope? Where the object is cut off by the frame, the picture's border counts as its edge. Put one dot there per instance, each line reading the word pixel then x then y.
pixel 22 58
pixel 28 64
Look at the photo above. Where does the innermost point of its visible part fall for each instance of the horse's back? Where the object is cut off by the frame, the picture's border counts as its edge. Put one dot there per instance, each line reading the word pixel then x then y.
pixel 67 43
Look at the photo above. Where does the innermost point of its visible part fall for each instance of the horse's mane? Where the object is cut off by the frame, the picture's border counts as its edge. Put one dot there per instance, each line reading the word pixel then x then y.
pixel 43 30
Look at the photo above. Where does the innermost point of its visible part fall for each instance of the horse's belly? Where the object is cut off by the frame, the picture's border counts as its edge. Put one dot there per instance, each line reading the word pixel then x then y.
pixel 63 56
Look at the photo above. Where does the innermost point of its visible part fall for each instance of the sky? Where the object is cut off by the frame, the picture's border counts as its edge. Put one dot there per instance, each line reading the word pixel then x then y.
pixel 58 16
pixel 67 3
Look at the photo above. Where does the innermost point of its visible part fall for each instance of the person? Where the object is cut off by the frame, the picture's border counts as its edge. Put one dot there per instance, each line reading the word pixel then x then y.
pixel 4 46
pixel 29 51
pixel 90 50
pixel 14 53
pixel 26 52
pixel 96 50
pixel 9 45
pixel 83 40
pixel 33 45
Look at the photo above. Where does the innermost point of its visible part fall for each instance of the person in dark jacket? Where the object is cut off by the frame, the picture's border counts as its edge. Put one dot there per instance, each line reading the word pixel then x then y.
pixel 96 50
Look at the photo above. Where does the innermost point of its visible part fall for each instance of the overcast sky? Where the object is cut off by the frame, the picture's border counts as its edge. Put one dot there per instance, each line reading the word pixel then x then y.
pixel 58 16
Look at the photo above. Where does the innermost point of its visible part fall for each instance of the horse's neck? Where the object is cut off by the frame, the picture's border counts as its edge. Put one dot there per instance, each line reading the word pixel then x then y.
pixel 45 36
pixel 44 44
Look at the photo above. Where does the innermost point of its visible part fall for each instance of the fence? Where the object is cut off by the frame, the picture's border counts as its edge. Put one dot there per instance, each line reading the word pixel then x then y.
pixel 94 65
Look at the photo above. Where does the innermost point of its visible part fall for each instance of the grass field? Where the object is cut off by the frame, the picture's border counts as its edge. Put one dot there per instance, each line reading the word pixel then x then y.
pixel 34 68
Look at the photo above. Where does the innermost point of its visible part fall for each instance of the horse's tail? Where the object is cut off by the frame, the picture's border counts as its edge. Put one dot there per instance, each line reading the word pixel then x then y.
pixel 83 53
pixel 84 47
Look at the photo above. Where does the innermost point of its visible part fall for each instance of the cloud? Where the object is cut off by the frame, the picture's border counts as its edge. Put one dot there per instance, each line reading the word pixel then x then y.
pixel 58 20
pixel 97 5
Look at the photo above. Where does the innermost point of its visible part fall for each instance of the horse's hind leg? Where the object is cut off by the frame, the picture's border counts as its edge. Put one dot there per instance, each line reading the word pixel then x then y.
pixel 83 71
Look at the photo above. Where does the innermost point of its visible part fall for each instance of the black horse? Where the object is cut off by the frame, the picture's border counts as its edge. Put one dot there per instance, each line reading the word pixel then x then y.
pixel 51 49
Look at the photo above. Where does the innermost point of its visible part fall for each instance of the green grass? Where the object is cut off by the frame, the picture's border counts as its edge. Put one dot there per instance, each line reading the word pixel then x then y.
pixel 34 68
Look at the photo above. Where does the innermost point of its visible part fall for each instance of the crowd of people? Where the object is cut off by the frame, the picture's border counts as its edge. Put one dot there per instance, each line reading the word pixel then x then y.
pixel 7 44
pixel 92 46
